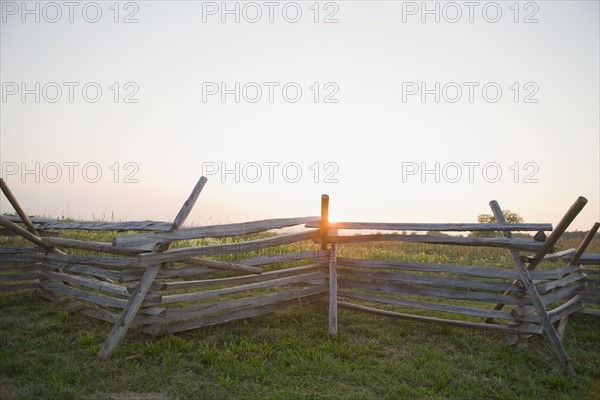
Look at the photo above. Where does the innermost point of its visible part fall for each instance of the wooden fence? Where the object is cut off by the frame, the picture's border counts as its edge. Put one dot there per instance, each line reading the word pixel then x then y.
pixel 139 280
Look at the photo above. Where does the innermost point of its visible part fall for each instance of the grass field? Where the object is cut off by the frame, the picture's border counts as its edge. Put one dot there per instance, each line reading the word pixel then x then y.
pixel 49 353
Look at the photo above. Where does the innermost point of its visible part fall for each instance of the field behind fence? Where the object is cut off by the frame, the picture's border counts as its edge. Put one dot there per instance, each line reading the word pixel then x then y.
pixel 159 278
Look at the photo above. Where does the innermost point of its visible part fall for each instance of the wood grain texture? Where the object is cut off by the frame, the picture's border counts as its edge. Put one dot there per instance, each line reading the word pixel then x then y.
pixel 107 226
pixel 235 315
pixel 200 310
pixel 147 241
pixel 82 269
pixel 104 247
pixel 520 329
pixel 272 283
pixel 431 292
pixel 564 281
pixel 314 256
pixel 423 280
pixel 228 266
pixel 466 270
pixel 240 280
pixel 69 291
pixel 132 275
pixel 230 248
pixel 111 262
pixel 423 305
pixel 508 243
pixel 434 227
pixel 107 287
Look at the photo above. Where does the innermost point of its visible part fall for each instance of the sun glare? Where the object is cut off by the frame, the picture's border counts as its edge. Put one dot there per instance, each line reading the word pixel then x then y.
pixel 337 216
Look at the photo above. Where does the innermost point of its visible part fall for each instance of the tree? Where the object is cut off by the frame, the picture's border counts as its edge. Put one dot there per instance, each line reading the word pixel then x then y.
pixel 511 218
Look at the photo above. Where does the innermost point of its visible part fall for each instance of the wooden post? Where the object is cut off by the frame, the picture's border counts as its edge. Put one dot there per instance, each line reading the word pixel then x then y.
pixel 333 287
pixel 557 232
pixel 532 290
pixel 31 233
pixel 583 246
pixel 138 296
pixel 24 233
pixel 13 201
pixel 28 235
pixel 562 226
pixel 332 264
pixel 324 220
pixel 499 215
pixel 185 210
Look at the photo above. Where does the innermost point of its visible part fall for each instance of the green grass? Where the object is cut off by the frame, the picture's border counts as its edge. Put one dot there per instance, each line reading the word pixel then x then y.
pixel 48 353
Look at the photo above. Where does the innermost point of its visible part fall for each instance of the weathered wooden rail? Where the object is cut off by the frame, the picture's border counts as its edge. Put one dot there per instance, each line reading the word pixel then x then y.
pixel 138 281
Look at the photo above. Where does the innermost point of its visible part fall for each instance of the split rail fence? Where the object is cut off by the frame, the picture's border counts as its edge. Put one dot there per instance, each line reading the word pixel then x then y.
pixel 138 280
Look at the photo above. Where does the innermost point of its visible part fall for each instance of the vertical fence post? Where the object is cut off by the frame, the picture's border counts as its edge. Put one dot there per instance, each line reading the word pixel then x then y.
pixel 333 308
pixel 324 220
pixel 332 257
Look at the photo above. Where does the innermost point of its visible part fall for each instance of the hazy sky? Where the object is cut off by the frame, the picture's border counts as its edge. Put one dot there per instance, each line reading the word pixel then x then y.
pixel 397 116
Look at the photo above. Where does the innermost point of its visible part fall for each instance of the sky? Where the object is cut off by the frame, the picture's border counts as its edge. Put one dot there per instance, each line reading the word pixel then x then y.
pixel 400 111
